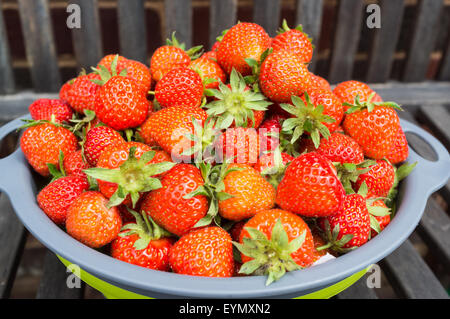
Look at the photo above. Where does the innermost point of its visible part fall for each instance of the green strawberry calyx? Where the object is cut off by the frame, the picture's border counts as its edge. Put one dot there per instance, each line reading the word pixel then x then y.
pixel 333 242
pixel 275 173
pixel 203 139
pixel 256 69
pixel 213 189
pixel 271 257
pixel 307 118
pixel 194 52
pixel 133 177
pixel 284 28
pixel 145 228
pixel 105 74
pixel 235 104
pixel 369 105
pixel 348 173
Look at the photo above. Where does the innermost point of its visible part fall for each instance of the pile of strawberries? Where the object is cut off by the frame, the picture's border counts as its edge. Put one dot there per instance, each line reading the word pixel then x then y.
pixel 232 162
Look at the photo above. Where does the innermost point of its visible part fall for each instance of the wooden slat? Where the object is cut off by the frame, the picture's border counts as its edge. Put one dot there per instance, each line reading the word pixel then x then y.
pixel 410 275
pixel 358 290
pixel 444 74
pixel 40 45
pixel 132 29
pixel 13 235
pixel 222 16
pixel 87 40
pixel 267 14
pixel 385 40
pixel 424 37
pixel 437 118
pixel 53 283
pixel 434 229
pixel 346 40
pixel 6 75
pixel 309 14
pixel 178 15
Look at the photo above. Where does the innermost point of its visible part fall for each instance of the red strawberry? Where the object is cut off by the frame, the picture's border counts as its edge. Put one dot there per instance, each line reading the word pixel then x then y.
pixel 269 133
pixel 211 55
pixel 238 145
pixel 348 90
pixel 121 104
pixel 275 241
pixel 56 197
pixel 43 109
pixel 350 226
pixel 379 179
pixel 143 244
pixel 209 69
pixel 97 139
pixel 171 56
pixel 310 187
pixel 81 96
pixel 206 252
pixel 236 104
pixel 294 40
pixel 282 75
pixel 108 60
pixel 42 143
pixel 400 151
pixel 243 41
pixel 74 164
pixel 318 82
pixel 169 208
pixel 136 175
pixel 373 126
pixel 65 90
pixel 379 218
pixel 181 87
pixel 168 128
pixel 90 221
pixel 341 148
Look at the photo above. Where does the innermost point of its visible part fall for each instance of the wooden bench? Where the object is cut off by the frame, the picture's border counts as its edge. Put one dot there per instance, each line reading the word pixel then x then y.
pixel 407 273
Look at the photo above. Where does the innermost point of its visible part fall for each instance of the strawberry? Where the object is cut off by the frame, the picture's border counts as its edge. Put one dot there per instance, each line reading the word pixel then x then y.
pixel 90 221
pixel 236 229
pixel 318 82
pixel 121 104
pixel 209 70
pixel 169 208
pixel 206 252
pixel 294 40
pixel 42 143
pixel 65 90
pixel 81 95
pixel 238 145
pixel 236 104
pixel 379 179
pixel 210 55
pixel 74 164
pixel 341 148
pixel 373 126
pixel 243 41
pixel 312 117
pixel 97 139
pixel 380 216
pixel 349 227
pixel 282 75
pixel 55 198
pixel 127 169
pixel 43 109
pixel 143 243
pixel 310 187
pixel 269 133
pixel 273 242
pixel 348 90
pixel 108 60
pixel 250 193
pixel 273 165
pixel 181 87
pixel 400 151
pixel 168 128
pixel 171 56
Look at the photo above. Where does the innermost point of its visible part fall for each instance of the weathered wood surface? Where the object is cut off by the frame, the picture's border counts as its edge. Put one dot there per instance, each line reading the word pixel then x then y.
pixel 222 16
pixel 53 284
pixel 87 40
pixel 385 41
pixel 267 14
pixel 40 45
pixel 178 17
pixel 7 85
pixel 132 29
pixel 346 40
